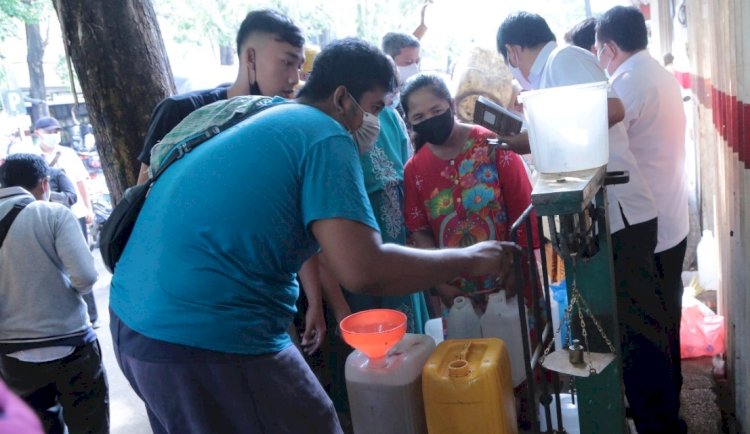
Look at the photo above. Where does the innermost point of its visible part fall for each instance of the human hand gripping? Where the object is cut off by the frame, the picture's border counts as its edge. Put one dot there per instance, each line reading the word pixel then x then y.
pixel 315 329
pixel 492 257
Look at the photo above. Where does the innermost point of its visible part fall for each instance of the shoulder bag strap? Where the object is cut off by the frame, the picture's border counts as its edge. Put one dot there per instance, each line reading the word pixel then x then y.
pixel 8 219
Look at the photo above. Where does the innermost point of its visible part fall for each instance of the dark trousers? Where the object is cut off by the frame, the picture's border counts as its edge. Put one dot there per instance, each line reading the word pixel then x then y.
pixel 189 390
pixel 89 297
pixel 670 288
pixel 645 356
pixel 77 382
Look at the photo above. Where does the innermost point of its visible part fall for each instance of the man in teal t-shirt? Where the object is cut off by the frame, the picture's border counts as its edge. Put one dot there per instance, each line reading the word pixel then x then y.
pixel 205 289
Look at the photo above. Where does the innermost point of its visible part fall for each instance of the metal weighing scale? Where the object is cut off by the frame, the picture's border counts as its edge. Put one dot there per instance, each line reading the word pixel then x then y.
pixel 572 207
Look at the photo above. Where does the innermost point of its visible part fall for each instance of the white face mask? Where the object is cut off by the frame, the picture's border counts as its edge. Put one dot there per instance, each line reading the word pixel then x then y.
pixel 47 195
pixel 404 72
pixel 367 134
pixel 599 59
pixel 49 141
pixel 515 71
pixel 522 81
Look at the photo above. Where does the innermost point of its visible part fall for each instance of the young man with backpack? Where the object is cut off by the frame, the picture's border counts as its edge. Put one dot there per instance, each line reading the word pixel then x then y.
pixel 270 48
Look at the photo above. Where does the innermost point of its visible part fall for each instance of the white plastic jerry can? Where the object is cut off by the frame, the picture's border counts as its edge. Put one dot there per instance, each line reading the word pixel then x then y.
pixel 501 320
pixel 463 321
pixel 386 397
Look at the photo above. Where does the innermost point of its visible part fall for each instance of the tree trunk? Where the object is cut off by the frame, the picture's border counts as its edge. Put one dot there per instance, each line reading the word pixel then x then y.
pixel 35 62
pixel 226 54
pixel 122 65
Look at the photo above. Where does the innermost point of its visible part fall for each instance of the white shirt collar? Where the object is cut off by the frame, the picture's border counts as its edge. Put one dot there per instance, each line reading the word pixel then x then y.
pixel 629 63
pixel 535 74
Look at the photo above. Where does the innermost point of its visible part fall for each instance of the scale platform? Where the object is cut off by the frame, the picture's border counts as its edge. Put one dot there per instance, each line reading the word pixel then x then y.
pixel 566 193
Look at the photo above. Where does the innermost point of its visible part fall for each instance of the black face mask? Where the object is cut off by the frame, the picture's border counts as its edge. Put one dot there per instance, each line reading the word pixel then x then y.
pixel 254 88
pixel 436 129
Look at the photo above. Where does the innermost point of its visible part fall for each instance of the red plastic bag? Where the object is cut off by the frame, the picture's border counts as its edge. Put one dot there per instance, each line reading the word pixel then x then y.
pixel 701 330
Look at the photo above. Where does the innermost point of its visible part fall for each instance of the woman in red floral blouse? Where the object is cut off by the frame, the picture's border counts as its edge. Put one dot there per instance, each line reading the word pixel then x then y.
pixel 458 188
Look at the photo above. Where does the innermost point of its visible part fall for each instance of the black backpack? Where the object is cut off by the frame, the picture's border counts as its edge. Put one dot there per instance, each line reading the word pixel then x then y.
pixel 119 226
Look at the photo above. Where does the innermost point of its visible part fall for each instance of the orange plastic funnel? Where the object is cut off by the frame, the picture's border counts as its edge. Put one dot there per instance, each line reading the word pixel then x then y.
pixel 374 331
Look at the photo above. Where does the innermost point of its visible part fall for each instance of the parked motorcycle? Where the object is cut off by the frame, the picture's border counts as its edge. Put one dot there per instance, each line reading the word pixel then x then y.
pixel 102 209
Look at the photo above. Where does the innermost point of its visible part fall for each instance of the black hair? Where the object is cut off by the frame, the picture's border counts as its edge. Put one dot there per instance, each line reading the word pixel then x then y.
pixel 625 26
pixel 271 22
pixel 525 29
pixel 434 83
pixel 349 62
pixel 582 34
pixel 23 170
pixel 394 42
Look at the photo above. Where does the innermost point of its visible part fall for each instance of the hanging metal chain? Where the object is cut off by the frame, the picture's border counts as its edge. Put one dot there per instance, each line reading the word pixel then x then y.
pixel 596 323
pixel 577 301
pixel 566 320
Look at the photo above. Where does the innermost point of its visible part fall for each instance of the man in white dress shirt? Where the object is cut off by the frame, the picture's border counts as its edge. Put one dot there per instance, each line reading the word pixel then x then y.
pixel 655 122
pixel 528 45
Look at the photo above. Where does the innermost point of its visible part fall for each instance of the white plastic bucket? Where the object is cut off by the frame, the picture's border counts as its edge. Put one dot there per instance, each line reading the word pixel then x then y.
pixel 568 127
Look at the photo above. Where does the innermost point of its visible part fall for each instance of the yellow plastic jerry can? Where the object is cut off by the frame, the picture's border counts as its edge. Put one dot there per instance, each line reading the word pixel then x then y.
pixel 467 388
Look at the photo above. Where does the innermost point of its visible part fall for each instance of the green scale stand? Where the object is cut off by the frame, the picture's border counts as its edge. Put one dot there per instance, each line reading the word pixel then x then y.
pixel 571 208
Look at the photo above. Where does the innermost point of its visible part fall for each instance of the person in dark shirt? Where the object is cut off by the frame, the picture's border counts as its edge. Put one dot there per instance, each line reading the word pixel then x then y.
pixel 270 51
pixel 61 187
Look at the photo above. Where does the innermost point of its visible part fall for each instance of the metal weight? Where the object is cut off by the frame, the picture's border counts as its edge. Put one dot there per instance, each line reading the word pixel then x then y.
pixel 575 352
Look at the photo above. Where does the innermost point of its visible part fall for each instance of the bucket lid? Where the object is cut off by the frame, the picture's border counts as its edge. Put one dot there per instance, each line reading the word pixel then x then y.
pixel 525 96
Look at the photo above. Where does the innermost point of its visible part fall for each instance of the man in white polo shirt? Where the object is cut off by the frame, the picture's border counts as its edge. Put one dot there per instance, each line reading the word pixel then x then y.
pixel 655 122
pixel 529 47
pixel 47 136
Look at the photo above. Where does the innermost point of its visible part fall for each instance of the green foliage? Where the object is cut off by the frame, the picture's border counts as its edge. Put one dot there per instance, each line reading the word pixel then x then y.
pixel 26 11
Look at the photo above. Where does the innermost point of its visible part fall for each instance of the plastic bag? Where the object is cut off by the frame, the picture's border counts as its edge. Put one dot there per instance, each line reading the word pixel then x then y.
pixel 701 330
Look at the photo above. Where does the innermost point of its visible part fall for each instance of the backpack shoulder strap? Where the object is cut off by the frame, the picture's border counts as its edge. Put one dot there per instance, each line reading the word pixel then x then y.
pixel 12 214
pixel 243 108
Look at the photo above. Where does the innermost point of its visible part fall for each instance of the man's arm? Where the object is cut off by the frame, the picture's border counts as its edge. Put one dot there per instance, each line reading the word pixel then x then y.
pixel 424 240
pixel 422 28
pixel 332 292
pixel 315 322
pixel 74 253
pixel 143 173
pixel 615 111
pixel 166 116
pixel 63 190
pixel 363 264
pixel 86 201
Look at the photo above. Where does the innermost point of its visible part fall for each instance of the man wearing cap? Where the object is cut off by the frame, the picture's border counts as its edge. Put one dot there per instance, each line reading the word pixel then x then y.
pixel 48 351
pixel 47 136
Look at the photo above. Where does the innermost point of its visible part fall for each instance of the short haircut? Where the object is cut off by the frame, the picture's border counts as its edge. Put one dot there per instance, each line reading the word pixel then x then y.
pixel 23 170
pixel 582 34
pixel 349 62
pixel 270 22
pixel 394 42
pixel 525 29
pixel 625 26
pixel 435 84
